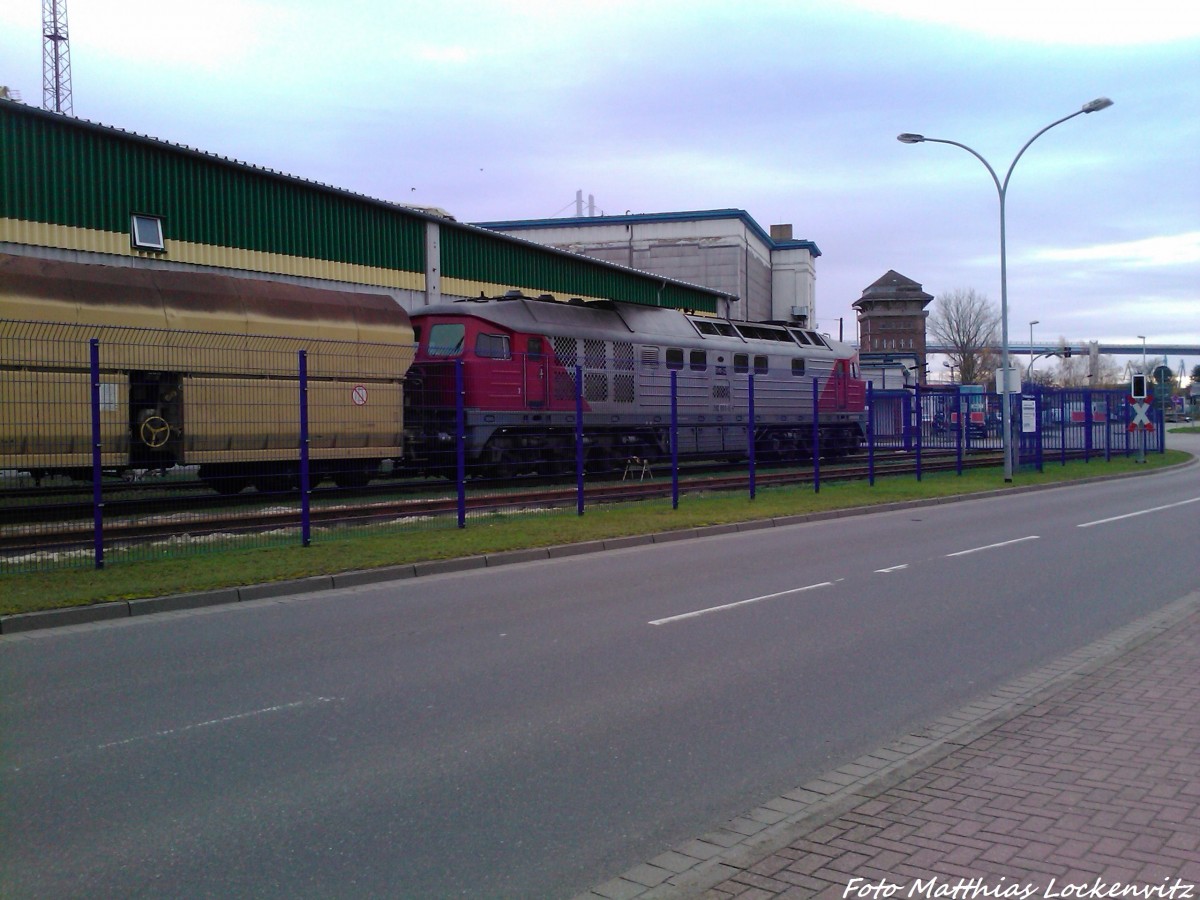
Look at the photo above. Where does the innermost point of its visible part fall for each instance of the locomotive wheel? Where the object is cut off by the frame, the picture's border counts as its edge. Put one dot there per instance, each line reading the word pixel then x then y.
pixel 499 459
pixel 354 476
pixel 599 460
pixel 155 431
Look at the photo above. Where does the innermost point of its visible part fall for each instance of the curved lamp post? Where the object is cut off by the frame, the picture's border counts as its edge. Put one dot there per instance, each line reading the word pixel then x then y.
pixel 1002 190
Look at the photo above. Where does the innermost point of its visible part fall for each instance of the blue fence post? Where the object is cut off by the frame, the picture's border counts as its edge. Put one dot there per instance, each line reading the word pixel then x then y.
pixel 1108 426
pixel 1087 426
pixel 674 439
pixel 460 441
pixel 97 471
pixel 1038 433
pixel 1062 426
pixel 1125 423
pixel 579 440
pixel 906 427
pixel 750 431
pixel 960 426
pixel 305 485
pixel 1162 430
pixel 816 436
pixel 920 426
pixel 871 433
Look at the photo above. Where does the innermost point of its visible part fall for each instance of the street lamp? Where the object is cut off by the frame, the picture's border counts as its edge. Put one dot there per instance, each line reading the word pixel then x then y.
pixel 1002 189
pixel 1029 373
pixel 1143 337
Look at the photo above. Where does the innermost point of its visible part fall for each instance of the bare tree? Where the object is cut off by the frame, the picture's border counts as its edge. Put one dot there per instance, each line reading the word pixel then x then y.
pixel 1108 373
pixel 965 323
pixel 1072 370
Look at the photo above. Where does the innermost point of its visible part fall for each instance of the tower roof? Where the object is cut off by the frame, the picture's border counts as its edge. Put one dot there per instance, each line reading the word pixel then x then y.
pixel 893 286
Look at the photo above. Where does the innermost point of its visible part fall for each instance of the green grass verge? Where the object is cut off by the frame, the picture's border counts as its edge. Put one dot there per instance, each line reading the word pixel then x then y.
pixel 26 592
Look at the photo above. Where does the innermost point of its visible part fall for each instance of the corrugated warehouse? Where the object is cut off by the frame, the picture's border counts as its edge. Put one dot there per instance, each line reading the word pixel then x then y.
pixel 81 191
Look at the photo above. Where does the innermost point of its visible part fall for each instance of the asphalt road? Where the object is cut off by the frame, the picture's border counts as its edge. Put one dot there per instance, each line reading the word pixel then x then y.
pixel 533 730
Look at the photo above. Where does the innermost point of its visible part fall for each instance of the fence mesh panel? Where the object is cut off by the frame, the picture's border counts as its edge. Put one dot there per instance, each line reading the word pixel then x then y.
pixel 215 441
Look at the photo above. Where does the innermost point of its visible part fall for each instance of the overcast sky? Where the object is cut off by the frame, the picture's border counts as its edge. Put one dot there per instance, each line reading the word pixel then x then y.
pixel 788 110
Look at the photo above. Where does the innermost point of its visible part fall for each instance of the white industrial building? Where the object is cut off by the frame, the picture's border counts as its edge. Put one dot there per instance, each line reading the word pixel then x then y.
pixel 773 275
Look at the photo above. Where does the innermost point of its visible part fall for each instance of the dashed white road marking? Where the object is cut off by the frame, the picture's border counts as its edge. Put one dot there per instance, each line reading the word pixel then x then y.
pixel 167 732
pixel 713 609
pixel 1032 537
pixel 1140 512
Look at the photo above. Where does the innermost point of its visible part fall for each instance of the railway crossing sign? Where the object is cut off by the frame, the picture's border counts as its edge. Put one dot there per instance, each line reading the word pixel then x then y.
pixel 1141 418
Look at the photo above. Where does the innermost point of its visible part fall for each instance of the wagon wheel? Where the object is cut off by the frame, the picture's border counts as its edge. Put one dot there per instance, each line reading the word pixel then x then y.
pixel 155 432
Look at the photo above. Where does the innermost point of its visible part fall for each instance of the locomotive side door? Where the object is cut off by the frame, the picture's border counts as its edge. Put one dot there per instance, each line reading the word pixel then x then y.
pixel 840 382
pixel 536 377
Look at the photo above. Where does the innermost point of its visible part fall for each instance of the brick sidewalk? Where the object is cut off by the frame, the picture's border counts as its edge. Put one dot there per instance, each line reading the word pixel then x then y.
pixel 1092 773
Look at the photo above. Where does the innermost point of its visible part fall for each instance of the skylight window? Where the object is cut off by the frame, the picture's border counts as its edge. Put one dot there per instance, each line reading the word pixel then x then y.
pixel 146 232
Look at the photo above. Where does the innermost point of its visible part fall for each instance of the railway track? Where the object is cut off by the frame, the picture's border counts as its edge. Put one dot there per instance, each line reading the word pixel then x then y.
pixel 70 527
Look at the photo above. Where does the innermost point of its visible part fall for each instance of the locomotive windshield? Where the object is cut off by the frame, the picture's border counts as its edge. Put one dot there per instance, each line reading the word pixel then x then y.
pixel 446 339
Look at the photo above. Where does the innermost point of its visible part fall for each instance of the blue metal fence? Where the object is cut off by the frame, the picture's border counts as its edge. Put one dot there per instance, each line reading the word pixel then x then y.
pixel 296 441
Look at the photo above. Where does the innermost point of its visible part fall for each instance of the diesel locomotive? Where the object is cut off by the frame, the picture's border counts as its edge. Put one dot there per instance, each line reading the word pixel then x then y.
pixel 522 364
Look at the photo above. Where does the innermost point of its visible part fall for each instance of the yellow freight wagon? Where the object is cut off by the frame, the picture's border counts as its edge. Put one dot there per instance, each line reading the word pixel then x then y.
pixel 196 369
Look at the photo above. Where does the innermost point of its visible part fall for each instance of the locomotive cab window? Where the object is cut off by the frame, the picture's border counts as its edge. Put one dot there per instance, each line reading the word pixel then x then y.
pixel 741 363
pixel 535 347
pixel 674 358
pixel 797 367
pixel 492 346
pixel 446 339
pixel 761 366
pixel 698 361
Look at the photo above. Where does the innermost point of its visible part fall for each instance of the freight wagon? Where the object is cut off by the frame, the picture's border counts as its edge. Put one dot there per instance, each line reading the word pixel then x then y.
pixel 195 369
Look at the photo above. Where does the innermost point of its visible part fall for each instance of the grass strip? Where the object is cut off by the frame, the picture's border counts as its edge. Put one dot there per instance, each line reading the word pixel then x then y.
pixel 334 552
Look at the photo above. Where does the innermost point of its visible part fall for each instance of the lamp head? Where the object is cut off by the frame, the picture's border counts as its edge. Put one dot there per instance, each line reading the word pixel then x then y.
pixel 907 138
pixel 1098 104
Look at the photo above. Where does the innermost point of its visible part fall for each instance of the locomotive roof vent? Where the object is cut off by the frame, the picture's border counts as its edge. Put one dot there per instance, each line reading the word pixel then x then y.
pixel 546 297
pixel 513 295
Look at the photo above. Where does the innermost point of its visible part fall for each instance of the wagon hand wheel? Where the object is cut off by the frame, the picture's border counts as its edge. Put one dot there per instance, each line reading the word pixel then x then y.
pixel 155 432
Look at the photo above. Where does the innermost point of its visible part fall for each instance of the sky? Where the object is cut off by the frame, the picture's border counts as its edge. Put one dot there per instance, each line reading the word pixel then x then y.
pixel 788 110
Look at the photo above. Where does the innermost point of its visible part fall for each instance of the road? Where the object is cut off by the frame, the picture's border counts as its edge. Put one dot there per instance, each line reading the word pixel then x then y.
pixel 533 730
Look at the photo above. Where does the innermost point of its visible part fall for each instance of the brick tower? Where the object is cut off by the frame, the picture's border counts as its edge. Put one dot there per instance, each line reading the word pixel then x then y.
pixel 891 326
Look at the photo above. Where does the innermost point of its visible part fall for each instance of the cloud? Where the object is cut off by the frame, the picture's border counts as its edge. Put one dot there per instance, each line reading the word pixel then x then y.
pixel 1051 21
pixel 1167 250
pixel 143 33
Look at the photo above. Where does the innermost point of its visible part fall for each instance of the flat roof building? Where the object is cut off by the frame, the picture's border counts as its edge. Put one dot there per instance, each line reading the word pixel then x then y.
pixel 722 249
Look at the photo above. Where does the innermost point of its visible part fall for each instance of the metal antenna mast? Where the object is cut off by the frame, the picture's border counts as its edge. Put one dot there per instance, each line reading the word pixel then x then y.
pixel 56 58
